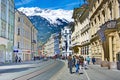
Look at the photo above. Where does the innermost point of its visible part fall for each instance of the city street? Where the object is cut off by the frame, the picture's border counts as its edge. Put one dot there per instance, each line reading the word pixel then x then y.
pixel 38 70
pixel 94 72
pixel 54 70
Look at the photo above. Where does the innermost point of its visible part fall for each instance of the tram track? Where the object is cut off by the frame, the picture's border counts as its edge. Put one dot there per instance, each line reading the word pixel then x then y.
pixel 31 75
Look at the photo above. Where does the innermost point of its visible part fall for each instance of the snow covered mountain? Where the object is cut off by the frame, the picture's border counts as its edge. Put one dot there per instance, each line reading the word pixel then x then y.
pixel 48 21
pixel 50 15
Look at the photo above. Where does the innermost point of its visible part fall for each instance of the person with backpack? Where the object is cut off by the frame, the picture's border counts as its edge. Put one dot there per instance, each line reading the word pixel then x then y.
pixel 88 60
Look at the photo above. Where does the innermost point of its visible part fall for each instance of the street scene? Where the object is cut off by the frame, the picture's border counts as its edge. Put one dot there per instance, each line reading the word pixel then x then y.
pixel 60 40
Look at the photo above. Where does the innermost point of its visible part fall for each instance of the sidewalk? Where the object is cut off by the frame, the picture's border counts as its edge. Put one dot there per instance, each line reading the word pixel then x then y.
pixel 18 63
pixel 64 74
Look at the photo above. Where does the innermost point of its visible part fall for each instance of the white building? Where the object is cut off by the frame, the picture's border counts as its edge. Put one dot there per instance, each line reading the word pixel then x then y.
pixel 6 30
pixel 66 41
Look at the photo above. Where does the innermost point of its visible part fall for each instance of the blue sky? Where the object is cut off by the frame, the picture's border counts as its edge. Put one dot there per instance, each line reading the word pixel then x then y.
pixel 49 4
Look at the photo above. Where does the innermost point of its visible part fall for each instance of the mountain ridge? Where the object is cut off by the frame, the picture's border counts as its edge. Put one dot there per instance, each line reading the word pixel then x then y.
pixel 49 24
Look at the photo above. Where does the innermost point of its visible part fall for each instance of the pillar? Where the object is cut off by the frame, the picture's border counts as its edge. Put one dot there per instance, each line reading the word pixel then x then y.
pixel 110 49
pixel 102 52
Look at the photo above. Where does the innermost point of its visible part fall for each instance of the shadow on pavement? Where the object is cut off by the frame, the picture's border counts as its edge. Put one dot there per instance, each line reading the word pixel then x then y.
pixel 14 70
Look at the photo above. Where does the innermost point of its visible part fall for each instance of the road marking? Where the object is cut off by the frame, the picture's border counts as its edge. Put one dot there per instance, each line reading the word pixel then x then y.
pixel 87 75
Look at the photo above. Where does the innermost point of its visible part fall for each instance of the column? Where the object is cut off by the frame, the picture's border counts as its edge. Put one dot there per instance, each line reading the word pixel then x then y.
pixel 79 50
pixel 102 52
pixel 110 49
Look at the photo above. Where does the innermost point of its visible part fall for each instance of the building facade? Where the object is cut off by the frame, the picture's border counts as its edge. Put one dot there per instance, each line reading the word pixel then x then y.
pixel 49 47
pixel 6 30
pixel 56 44
pixel 25 40
pixel 34 46
pixel 66 41
pixel 80 35
pixel 104 27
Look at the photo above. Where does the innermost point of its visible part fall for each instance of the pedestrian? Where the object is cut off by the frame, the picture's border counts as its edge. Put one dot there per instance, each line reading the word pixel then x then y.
pixel 74 60
pixel 88 60
pixel 16 58
pixel 70 62
pixel 81 58
pixel 34 58
pixel 85 64
pixel 19 59
pixel 77 65
pixel 93 60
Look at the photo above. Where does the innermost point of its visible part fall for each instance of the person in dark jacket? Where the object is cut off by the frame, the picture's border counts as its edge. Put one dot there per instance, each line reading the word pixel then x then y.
pixel 93 60
pixel 70 62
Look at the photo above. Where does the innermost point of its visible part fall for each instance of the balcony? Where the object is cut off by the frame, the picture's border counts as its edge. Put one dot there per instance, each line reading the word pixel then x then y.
pixel 34 41
pixel 106 28
pixel 85 29
pixel 85 42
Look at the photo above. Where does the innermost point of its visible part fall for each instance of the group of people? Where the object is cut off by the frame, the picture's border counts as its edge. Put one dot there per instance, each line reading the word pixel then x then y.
pixel 79 62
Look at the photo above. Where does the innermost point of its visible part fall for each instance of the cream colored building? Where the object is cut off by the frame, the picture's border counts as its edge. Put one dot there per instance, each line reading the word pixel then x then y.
pixel 104 27
pixel 25 40
pixel 6 30
pixel 34 48
pixel 80 36
pixel 49 46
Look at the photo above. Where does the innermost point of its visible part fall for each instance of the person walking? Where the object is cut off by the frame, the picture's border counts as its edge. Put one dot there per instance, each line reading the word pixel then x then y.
pixel 74 60
pixel 85 64
pixel 88 59
pixel 81 58
pixel 16 58
pixel 70 62
pixel 19 60
pixel 77 65
pixel 93 60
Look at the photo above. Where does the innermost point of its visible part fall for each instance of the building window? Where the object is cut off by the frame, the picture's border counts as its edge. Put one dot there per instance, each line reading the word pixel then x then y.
pixel 69 36
pixel 70 42
pixel 3 29
pixel 18 19
pixel 18 45
pixel 65 31
pixel 18 31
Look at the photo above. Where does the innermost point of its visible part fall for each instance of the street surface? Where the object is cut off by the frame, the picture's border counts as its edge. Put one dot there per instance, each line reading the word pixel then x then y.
pixel 38 70
pixel 94 72
pixel 54 70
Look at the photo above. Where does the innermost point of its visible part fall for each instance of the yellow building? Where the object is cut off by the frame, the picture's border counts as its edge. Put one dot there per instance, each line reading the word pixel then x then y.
pixel 104 28
pixel 24 41
pixel 80 36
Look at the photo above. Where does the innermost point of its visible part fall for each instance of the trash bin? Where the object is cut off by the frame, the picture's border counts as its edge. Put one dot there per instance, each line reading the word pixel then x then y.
pixel 118 65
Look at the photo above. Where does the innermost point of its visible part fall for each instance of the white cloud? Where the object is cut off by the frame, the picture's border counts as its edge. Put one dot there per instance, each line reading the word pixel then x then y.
pixel 22 2
pixel 50 15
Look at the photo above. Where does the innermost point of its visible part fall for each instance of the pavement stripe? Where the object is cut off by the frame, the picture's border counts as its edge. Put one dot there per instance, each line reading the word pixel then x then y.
pixel 86 75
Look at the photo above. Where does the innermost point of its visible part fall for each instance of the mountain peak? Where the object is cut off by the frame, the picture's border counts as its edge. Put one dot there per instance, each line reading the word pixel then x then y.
pixel 51 15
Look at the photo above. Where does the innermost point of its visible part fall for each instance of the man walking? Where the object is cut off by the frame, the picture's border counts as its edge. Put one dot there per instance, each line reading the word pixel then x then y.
pixel 88 59
pixel 70 62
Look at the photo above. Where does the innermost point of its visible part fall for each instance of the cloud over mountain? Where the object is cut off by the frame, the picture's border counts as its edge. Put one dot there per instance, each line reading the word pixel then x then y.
pixel 50 15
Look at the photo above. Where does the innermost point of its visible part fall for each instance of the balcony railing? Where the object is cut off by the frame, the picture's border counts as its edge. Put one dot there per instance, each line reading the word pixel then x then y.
pixel 85 29
pixel 34 41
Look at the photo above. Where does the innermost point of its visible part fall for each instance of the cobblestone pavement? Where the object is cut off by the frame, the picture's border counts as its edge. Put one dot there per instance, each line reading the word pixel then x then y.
pixel 64 74
pixel 94 72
